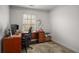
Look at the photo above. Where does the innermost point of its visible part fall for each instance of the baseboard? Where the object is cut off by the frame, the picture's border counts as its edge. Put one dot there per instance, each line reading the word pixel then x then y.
pixel 64 46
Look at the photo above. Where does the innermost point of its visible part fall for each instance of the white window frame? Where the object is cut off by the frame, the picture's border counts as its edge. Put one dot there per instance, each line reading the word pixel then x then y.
pixel 29 20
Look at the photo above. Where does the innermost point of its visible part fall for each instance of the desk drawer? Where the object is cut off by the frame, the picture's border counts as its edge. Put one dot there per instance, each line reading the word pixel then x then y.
pixel 12 45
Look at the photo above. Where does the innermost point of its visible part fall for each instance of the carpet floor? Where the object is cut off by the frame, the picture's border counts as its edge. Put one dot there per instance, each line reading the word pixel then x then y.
pixel 48 47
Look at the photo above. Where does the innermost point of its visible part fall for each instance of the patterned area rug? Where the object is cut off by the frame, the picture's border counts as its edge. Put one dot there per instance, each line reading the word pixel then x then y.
pixel 48 47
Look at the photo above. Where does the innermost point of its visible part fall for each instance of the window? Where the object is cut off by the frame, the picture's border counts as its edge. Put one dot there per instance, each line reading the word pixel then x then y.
pixel 29 21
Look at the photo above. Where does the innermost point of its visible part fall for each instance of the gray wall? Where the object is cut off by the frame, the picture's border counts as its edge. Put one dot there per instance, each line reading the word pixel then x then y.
pixel 4 20
pixel 65 26
pixel 16 14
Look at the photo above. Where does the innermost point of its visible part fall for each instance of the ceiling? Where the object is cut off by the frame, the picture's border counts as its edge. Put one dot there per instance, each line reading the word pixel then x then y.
pixel 40 7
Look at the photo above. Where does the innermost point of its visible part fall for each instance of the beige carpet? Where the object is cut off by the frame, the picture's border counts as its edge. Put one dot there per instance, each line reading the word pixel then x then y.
pixel 48 47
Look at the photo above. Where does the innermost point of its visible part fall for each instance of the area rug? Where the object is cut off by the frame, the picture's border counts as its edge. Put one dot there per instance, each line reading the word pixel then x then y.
pixel 48 47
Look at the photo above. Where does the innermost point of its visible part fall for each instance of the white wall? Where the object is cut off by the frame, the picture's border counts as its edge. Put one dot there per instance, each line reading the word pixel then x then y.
pixel 65 26
pixel 16 14
pixel 4 20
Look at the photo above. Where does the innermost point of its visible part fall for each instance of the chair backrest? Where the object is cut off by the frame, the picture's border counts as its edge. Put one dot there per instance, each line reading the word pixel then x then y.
pixel 27 35
pixel 30 30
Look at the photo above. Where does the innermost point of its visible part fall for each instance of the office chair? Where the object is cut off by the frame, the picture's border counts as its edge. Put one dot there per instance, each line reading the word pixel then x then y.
pixel 26 39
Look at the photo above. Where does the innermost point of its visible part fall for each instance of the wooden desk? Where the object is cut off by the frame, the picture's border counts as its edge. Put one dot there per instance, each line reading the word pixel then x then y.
pixel 40 36
pixel 12 44
pixel 35 35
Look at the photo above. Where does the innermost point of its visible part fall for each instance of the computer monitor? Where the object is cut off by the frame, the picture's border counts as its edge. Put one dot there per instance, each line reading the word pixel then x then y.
pixel 14 27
